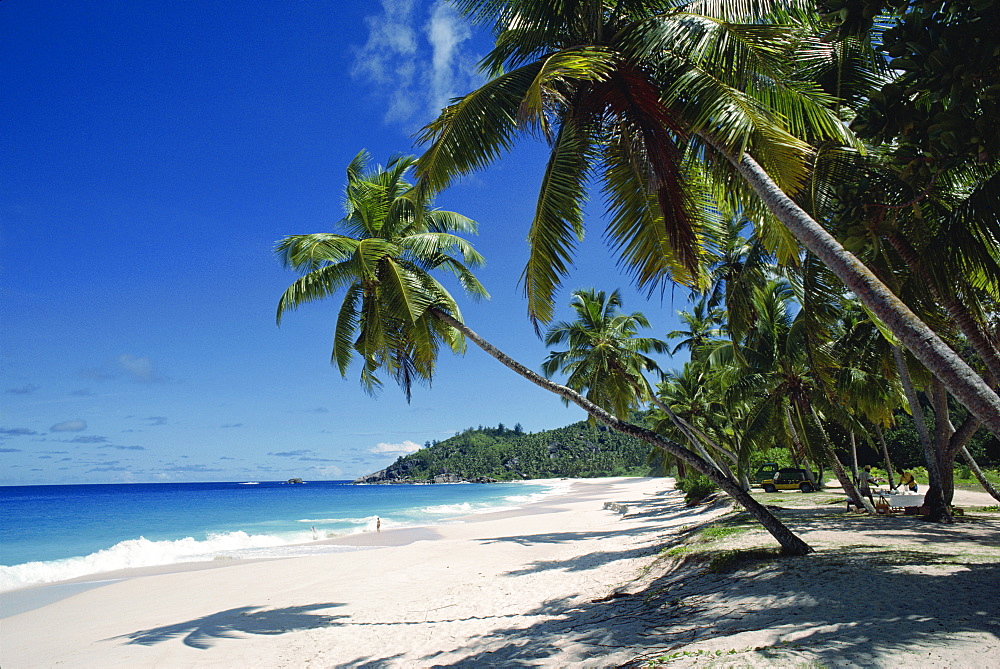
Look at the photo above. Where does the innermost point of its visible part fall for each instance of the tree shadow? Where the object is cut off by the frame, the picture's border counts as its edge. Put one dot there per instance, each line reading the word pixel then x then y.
pixel 200 632
pixel 880 528
pixel 829 606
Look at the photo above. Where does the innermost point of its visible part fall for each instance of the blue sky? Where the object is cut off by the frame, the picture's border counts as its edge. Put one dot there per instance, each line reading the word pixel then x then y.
pixel 153 154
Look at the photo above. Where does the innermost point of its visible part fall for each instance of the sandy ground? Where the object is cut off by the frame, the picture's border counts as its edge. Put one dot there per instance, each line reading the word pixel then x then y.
pixel 564 582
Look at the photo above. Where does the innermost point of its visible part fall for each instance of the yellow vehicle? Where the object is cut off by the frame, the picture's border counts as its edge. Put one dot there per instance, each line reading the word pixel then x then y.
pixel 788 478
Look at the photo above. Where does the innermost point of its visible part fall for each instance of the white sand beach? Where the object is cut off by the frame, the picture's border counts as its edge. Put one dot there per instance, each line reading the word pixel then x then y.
pixel 562 582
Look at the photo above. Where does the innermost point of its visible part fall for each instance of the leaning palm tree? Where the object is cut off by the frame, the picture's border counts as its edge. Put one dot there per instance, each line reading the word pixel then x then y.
pixel 396 316
pixel 670 110
pixel 382 262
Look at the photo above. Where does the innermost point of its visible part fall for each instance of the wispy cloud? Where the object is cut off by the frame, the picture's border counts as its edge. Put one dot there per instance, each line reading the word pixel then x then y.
pixel 415 58
pixel 16 432
pixel 156 420
pixel 23 390
pixel 86 439
pixel 139 369
pixel 124 448
pixel 77 425
pixel 10 450
pixel 230 425
pixel 190 468
pixel 392 449
pixel 292 454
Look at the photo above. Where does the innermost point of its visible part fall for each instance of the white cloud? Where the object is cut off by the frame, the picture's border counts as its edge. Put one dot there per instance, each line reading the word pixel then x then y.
pixel 140 369
pixel 393 449
pixel 126 366
pixel 416 71
pixel 69 426
pixel 329 472
pixel 446 31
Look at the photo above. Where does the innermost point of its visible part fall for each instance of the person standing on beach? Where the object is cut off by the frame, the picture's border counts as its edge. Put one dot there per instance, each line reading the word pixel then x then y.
pixel 378 524
pixel 865 480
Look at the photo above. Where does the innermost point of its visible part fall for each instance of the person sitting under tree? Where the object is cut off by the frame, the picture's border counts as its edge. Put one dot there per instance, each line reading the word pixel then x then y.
pixel 906 480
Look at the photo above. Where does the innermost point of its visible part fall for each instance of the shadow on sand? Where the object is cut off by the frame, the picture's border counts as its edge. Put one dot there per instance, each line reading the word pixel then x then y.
pixel 201 632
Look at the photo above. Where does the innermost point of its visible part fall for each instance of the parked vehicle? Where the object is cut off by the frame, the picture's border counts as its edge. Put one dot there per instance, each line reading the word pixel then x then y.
pixel 789 478
pixel 766 472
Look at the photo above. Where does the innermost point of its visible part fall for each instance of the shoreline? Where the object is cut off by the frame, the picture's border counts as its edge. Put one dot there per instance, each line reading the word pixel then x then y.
pixel 359 538
pixel 564 581
pixel 116 624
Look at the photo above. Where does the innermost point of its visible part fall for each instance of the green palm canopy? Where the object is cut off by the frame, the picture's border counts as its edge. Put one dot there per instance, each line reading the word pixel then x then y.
pixel 604 358
pixel 388 243
pixel 626 92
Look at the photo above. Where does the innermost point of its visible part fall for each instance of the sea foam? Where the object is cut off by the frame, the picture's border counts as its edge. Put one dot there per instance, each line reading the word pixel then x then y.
pixel 141 552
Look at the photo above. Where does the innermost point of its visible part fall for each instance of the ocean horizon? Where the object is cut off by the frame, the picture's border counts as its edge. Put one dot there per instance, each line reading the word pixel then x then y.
pixel 54 533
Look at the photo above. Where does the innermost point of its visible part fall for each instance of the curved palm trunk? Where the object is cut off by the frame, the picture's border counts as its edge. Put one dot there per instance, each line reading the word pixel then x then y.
pixel 967 386
pixel 688 434
pixel 983 481
pixel 799 448
pixel 933 498
pixel 846 483
pixel 959 313
pixel 885 455
pixel 790 543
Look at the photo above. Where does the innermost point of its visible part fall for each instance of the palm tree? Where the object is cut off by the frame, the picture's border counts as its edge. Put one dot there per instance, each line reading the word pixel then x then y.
pixel 395 315
pixel 382 263
pixel 785 391
pixel 667 108
pixel 604 358
pixel 702 326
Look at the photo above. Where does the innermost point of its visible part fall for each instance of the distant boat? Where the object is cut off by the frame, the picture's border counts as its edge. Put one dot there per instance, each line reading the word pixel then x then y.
pixel 250 483
pixel 295 481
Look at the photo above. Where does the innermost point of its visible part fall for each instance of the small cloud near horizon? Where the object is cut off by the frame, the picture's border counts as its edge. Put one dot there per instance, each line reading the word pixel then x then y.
pixel 229 425
pixel 292 454
pixel 17 432
pixel 139 369
pixel 393 449
pixel 23 390
pixel 85 440
pixel 77 425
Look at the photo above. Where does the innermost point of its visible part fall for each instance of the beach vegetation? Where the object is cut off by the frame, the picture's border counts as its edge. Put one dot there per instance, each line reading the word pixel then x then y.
pixel 630 96
pixel 696 487
pixel 394 239
pixel 579 450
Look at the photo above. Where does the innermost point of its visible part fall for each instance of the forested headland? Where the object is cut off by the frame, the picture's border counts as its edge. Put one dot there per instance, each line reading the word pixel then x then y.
pixel 510 454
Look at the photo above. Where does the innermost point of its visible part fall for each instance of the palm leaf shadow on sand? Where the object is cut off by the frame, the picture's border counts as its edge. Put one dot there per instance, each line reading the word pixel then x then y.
pixel 200 633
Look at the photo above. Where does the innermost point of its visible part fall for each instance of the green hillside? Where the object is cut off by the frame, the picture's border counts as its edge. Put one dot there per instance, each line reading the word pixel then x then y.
pixel 577 450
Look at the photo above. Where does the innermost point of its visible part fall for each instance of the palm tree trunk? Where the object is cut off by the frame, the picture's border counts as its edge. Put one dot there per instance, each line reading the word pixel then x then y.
pixel 933 498
pixel 885 454
pixel 797 447
pixel 744 479
pixel 959 313
pixel 967 386
pixel 983 481
pixel 846 483
pixel 688 434
pixel 854 456
pixel 790 543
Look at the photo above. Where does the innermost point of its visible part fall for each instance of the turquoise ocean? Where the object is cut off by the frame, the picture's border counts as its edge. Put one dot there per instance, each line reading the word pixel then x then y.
pixel 51 533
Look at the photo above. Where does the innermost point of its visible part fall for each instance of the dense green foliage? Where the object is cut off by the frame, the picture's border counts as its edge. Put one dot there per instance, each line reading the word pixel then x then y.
pixel 695 487
pixel 577 450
